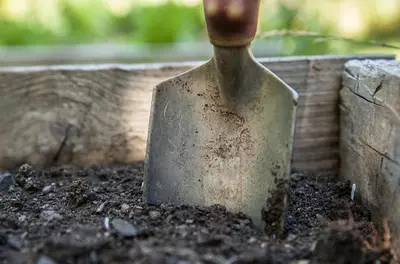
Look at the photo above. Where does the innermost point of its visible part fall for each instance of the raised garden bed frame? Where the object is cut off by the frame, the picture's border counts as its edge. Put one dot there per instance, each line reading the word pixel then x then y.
pixel 97 114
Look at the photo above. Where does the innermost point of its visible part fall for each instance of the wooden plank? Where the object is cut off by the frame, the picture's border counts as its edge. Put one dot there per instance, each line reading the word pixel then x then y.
pixel 121 53
pixel 80 115
pixel 370 136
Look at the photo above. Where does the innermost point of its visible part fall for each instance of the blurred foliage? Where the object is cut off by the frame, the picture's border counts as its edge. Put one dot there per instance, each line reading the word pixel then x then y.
pixel 93 21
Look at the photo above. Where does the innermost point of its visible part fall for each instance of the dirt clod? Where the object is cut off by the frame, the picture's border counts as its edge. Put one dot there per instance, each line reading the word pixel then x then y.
pixel 96 215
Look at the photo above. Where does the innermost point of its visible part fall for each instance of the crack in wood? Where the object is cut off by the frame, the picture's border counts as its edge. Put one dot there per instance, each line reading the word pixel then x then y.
pixel 378 88
pixel 380 153
pixel 362 97
pixel 62 145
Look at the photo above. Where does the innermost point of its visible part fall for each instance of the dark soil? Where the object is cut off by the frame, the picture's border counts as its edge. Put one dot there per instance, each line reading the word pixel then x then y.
pixel 96 215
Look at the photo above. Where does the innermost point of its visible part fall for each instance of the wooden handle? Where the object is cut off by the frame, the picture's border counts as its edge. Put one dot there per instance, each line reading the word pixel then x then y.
pixel 231 23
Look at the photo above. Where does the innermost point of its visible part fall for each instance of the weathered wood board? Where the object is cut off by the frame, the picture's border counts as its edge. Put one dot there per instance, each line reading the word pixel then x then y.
pixel 81 115
pixel 370 136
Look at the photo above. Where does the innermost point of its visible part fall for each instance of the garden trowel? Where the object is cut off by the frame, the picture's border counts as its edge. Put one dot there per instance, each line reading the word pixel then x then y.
pixel 222 133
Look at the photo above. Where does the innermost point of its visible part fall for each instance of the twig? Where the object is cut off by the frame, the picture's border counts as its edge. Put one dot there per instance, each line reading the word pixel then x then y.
pixel 321 37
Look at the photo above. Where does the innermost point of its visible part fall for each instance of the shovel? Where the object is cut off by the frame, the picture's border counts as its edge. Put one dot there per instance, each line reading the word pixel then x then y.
pixel 222 133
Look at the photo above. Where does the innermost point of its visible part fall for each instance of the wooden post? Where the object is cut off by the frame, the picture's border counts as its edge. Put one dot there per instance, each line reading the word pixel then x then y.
pixel 370 136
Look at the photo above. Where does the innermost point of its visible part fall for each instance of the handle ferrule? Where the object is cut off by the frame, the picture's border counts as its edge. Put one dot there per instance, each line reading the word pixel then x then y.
pixel 231 23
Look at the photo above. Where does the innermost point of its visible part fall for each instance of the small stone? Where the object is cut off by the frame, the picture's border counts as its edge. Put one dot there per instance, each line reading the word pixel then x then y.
pixel 125 208
pixel 101 208
pixel 297 177
pixel 204 231
pixel 51 215
pixel 300 262
pixel 124 228
pixel 321 219
pixel 22 218
pixel 47 189
pixel 290 220
pixel 14 243
pixel 6 181
pixel 189 221
pixel 244 222
pixel 45 260
pixel 252 240
pixel 93 257
pixel 169 218
pixel 107 223
pixel 154 215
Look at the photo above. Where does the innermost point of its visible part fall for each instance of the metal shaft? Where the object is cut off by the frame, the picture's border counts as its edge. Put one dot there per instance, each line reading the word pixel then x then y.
pixel 230 66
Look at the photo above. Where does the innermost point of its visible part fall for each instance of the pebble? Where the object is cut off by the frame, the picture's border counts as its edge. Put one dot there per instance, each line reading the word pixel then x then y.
pixel 101 207
pixel 244 222
pixel 305 261
pixel 45 260
pixel 107 223
pixel 322 219
pixel 169 218
pixel 6 181
pixel 154 215
pixel 22 218
pixel 47 189
pixel 14 243
pixel 252 240
pixel 125 208
pixel 124 228
pixel 51 215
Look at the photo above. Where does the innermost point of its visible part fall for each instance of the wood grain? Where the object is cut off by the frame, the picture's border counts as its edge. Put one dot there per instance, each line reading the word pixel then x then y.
pixel 81 115
pixel 370 136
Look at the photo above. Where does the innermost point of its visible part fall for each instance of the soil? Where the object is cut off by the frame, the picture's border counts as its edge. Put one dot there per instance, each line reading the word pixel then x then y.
pixel 96 215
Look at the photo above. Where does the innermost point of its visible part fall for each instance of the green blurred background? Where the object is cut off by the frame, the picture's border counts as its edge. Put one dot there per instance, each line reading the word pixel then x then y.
pixel 157 30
